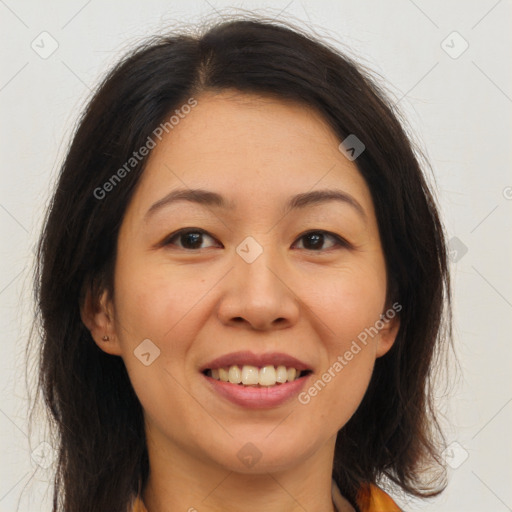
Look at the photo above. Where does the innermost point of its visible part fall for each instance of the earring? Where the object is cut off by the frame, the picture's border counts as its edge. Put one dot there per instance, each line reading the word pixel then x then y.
pixel 105 338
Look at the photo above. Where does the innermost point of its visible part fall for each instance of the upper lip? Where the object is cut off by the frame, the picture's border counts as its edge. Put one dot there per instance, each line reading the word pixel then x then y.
pixel 250 358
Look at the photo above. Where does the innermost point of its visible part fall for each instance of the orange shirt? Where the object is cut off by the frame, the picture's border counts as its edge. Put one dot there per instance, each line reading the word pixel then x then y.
pixel 379 501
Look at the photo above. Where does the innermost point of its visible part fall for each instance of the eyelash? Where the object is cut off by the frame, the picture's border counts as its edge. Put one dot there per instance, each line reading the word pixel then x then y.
pixel 339 241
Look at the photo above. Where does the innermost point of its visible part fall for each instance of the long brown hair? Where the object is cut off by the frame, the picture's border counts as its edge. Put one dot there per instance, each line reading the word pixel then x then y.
pixel 97 417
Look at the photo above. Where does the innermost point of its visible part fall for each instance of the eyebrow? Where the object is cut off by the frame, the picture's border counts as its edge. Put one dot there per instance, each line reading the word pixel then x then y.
pixel 213 199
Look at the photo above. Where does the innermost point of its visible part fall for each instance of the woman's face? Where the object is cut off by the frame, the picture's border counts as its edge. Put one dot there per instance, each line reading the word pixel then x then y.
pixel 253 276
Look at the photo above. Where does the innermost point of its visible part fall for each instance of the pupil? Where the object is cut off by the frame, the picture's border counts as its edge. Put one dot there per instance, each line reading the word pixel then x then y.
pixel 194 238
pixel 317 239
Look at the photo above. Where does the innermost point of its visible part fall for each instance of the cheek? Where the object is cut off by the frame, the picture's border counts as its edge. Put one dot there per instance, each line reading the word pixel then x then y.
pixel 156 302
pixel 156 305
pixel 349 301
pixel 166 306
pixel 348 307
pixel 338 387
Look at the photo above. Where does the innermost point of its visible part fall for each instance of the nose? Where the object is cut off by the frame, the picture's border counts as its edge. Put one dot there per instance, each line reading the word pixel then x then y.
pixel 258 295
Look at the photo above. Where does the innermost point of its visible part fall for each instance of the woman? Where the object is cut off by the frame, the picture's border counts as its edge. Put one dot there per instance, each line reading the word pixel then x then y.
pixel 241 281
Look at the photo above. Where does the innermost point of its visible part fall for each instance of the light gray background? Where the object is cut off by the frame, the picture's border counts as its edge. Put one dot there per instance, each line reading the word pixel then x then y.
pixel 459 112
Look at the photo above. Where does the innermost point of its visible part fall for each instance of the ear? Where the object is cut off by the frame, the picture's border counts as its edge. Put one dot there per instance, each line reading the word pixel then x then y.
pixel 387 335
pixel 98 316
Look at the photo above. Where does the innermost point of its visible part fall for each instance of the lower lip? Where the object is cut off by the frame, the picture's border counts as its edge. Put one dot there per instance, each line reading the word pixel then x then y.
pixel 253 397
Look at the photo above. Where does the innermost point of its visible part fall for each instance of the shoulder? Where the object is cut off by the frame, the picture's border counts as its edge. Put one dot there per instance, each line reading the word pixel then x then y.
pixel 373 499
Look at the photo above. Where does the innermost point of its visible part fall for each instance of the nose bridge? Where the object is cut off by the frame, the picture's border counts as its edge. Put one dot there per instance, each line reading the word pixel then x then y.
pixel 258 264
pixel 257 291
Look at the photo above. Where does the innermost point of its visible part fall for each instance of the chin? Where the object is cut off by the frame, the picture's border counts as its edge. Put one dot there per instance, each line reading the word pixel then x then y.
pixel 265 453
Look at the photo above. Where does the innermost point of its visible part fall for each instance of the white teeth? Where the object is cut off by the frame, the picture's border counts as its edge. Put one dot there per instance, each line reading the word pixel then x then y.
pixel 235 375
pixel 267 376
pixel 281 374
pixel 252 375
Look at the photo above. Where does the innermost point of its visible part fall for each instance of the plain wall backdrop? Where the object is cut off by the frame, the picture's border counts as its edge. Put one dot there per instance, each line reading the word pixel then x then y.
pixel 447 64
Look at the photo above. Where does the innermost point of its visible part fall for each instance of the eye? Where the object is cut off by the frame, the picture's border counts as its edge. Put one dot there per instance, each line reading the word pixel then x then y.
pixel 315 240
pixel 190 238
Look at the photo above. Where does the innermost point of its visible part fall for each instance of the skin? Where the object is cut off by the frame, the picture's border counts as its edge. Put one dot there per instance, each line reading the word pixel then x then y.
pixel 310 301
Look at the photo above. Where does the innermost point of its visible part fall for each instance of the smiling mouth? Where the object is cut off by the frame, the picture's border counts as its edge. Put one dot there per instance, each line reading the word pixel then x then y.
pixel 254 376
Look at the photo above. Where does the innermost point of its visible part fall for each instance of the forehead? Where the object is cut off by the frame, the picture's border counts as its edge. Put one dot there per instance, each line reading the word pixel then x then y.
pixel 249 148
pixel 240 124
